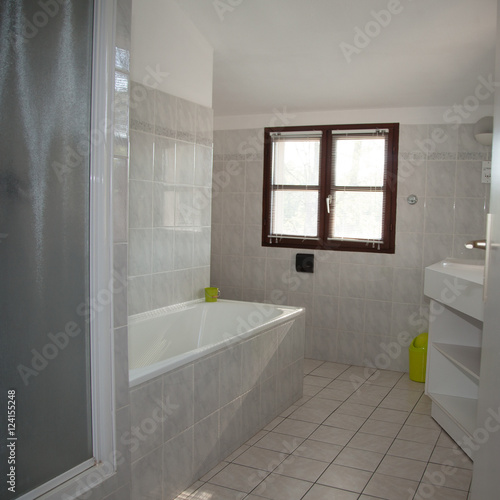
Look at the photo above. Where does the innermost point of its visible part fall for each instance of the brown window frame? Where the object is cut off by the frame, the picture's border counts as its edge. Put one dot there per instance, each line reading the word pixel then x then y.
pixel 322 242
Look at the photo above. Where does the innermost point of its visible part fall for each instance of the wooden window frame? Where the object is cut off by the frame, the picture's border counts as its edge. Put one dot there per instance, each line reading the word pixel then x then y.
pixel 322 242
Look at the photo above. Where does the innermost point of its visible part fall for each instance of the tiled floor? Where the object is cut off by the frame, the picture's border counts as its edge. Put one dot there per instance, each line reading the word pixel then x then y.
pixel 356 434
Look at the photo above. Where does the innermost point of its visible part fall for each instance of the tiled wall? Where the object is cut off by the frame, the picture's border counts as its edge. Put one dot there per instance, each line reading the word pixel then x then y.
pixel 194 417
pixel 361 308
pixel 170 199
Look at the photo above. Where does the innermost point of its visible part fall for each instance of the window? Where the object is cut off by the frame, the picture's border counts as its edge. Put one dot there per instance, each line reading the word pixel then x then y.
pixel 331 187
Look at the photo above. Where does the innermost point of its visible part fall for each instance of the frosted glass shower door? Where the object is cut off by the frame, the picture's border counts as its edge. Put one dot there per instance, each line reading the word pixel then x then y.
pixel 45 102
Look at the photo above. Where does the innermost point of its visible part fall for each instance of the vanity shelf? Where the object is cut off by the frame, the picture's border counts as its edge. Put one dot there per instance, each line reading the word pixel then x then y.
pixel 459 410
pixel 465 357
pixel 454 349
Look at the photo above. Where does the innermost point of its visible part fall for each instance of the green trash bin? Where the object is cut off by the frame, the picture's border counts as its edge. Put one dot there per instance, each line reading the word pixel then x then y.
pixel 418 357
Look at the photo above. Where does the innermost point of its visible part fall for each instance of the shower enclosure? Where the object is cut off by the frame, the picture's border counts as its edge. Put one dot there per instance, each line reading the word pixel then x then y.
pixel 46 313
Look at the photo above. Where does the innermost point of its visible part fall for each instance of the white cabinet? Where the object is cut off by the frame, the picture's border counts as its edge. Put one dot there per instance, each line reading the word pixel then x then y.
pixel 454 350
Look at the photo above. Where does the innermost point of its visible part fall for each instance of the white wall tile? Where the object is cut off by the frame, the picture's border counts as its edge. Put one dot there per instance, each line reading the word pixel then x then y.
pixel 186 120
pixel 139 294
pixel 410 218
pixel 183 248
pixel 326 278
pixel 351 315
pixel 412 136
pixel 184 163
pixel 165 114
pixel 201 247
pixel 254 173
pixel 141 155
pixel 407 285
pixel 254 273
pixel 378 282
pixel 140 251
pixel 437 247
pixel 204 125
pixel 469 183
pixel 142 107
pixel 163 249
pixel 164 200
pixel 203 166
pixel 470 215
pixel 378 315
pixel 440 178
pixel 325 311
pixel 350 347
pixel 163 293
pixel 140 204
pixel 164 160
pixel 439 215
pixel 411 177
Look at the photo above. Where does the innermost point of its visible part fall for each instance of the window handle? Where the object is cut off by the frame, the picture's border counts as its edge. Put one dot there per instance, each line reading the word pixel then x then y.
pixel 329 200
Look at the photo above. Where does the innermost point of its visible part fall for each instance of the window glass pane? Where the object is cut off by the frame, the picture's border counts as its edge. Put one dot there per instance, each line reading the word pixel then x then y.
pixel 358 215
pixel 296 162
pixel 295 213
pixel 359 161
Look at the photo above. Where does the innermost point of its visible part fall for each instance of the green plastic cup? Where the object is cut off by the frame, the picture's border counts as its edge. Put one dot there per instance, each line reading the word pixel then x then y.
pixel 211 294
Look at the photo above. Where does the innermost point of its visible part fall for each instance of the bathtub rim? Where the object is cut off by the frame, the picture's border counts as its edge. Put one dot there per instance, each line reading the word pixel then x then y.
pixel 141 375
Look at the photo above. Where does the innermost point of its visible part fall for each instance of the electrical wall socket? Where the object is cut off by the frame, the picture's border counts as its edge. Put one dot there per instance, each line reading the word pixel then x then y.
pixel 486 172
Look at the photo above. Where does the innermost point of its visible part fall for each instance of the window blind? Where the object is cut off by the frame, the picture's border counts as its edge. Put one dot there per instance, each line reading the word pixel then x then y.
pixel 358 185
pixel 295 185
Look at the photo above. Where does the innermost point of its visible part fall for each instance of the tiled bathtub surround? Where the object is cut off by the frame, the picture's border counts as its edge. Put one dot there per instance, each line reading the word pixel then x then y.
pixel 188 420
pixel 170 199
pixel 360 308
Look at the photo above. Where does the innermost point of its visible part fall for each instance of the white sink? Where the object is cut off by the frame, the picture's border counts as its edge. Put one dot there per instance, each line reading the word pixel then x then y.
pixel 457 284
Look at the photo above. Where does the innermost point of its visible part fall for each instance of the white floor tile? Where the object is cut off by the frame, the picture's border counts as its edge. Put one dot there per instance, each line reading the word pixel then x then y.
pixel 345 478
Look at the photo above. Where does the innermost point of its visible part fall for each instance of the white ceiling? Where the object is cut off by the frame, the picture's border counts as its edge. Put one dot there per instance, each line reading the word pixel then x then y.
pixel 288 53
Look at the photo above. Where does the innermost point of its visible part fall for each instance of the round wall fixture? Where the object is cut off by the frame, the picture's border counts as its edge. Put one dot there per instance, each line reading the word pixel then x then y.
pixel 483 131
pixel 412 199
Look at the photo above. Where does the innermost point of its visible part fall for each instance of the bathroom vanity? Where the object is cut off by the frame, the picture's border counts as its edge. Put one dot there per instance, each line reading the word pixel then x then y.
pixel 455 288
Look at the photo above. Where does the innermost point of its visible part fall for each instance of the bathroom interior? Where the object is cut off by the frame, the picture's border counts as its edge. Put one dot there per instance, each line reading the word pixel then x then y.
pixel 314 401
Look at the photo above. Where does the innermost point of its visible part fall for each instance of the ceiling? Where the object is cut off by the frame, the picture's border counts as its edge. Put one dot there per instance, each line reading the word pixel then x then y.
pixel 313 55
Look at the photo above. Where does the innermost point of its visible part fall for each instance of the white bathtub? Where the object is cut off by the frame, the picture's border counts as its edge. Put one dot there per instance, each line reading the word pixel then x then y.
pixel 167 338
